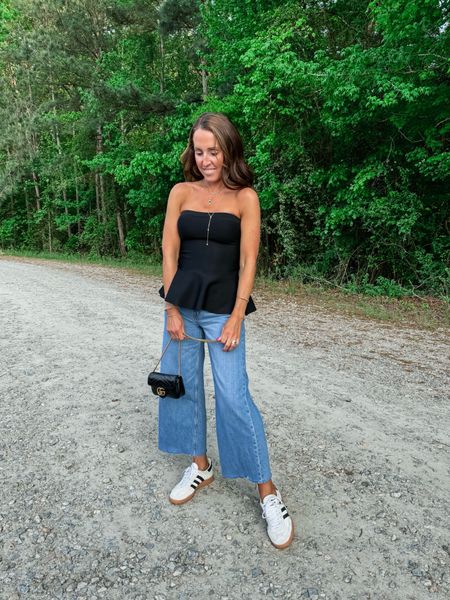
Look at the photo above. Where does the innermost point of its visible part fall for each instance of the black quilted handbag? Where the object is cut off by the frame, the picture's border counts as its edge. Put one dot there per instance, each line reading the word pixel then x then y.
pixel 165 384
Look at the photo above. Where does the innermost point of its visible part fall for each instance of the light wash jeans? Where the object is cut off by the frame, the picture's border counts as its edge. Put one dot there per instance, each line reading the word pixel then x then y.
pixel 239 426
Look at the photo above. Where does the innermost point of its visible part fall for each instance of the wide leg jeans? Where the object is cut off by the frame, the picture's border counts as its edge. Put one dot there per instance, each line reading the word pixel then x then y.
pixel 239 426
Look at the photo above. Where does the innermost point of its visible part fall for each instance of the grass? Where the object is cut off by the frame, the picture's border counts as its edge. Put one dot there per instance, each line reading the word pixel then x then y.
pixel 424 312
pixel 140 264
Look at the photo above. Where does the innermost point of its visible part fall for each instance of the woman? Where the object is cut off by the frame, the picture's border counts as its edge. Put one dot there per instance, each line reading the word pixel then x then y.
pixel 210 245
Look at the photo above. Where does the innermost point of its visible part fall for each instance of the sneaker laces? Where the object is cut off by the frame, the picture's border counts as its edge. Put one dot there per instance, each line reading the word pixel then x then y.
pixel 272 512
pixel 189 473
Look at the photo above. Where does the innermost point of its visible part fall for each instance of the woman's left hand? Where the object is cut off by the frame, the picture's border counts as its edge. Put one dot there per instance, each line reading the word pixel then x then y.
pixel 231 333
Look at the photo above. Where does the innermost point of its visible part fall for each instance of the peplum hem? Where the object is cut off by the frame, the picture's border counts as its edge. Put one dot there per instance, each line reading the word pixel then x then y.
pixel 201 291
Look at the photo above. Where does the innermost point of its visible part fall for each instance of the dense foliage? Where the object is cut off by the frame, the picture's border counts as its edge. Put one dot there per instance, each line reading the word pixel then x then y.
pixel 343 106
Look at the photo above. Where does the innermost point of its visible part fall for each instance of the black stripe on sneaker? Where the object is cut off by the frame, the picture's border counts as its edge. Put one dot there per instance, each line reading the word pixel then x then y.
pixel 194 485
pixel 283 508
pixel 285 516
pixel 200 477
pixel 210 467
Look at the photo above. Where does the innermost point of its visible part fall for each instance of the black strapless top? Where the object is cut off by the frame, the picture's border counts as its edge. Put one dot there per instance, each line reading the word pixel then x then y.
pixel 208 275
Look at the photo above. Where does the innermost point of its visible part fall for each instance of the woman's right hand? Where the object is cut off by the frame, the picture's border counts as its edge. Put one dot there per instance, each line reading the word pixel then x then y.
pixel 175 324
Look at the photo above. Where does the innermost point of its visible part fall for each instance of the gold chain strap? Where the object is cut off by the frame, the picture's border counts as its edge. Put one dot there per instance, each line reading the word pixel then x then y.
pixel 200 339
pixel 179 349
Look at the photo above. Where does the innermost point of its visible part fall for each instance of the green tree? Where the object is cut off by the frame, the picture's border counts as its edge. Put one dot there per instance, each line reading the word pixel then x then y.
pixel 343 107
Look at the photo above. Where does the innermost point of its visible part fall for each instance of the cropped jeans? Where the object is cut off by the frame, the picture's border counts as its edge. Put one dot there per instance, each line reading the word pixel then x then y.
pixel 239 427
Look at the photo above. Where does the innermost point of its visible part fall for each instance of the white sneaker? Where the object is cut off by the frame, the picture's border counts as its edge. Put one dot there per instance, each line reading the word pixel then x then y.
pixel 193 479
pixel 280 528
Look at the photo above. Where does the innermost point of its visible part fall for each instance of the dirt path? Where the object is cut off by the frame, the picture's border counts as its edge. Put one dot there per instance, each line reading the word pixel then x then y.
pixel 357 418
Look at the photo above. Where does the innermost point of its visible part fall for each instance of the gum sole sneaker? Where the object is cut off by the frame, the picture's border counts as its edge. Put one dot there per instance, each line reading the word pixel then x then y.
pixel 193 479
pixel 280 527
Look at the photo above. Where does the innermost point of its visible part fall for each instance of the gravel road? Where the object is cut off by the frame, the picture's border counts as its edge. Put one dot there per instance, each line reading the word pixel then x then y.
pixel 357 421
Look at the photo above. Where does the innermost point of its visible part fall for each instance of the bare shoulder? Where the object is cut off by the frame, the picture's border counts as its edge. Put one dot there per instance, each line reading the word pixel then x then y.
pixel 180 189
pixel 177 196
pixel 248 201
pixel 248 194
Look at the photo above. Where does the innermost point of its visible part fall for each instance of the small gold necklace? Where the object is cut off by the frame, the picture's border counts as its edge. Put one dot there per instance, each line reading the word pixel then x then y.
pixel 210 201
pixel 211 194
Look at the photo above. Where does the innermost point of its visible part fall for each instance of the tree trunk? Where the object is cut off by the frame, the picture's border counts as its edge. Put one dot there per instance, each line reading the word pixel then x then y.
pixel 97 196
pixel 100 185
pixel 122 248
pixel 36 190
pixel 77 200
pixel 204 79
pixel 61 174
pixel 102 197
pixel 28 208
pixel 50 241
pixel 119 220
pixel 27 204
pixel 77 190
pixel 66 212
pixel 162 80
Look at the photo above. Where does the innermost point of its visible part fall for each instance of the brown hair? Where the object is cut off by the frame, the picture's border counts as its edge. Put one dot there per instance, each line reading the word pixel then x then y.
pixel 236 174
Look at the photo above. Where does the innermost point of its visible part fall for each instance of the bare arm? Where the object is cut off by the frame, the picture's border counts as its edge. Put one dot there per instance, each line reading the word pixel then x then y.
pixel 171 250
pixel 250 236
